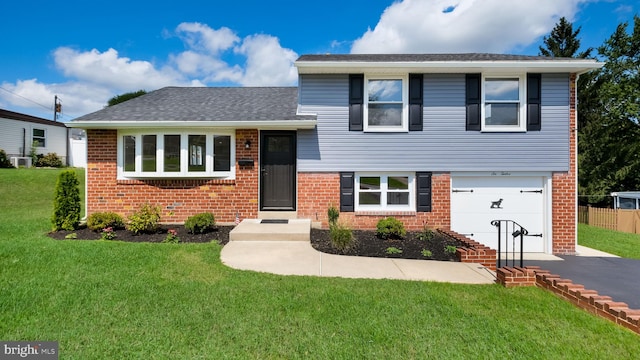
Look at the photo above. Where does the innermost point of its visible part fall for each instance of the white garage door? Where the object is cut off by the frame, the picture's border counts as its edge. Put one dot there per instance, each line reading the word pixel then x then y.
pixel 476 201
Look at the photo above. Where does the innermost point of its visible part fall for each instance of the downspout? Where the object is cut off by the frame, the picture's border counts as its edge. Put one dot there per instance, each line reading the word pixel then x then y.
pixel 24 141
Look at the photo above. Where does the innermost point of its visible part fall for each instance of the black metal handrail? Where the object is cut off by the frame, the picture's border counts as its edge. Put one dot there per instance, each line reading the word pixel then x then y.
pixel 515 230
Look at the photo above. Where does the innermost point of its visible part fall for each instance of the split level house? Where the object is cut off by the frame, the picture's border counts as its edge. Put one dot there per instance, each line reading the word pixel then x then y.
pixel 441 140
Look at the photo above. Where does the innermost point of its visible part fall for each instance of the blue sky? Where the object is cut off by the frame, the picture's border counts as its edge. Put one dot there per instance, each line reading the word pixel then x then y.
pixel 87 52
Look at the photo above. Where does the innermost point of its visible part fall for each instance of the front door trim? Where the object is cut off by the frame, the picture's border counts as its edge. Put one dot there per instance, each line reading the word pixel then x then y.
pixel 282 197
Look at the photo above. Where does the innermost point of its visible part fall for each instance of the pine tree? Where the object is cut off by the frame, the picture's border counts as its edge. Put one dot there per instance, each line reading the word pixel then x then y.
pixel 563 42
pixel 66 202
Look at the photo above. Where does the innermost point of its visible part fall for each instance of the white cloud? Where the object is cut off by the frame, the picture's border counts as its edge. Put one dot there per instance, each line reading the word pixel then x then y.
pixel 110 70
pixel 201 37
pixel 268 63
pixel 440 26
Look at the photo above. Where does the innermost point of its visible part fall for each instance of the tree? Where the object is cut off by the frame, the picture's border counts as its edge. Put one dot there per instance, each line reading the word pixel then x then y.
pixel 563 42
pixel 124 97
pixel 66 202
pixel 609 135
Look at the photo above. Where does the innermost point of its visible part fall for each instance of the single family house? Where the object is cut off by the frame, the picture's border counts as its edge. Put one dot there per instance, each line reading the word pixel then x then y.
pixel 441 140
pixel 19 133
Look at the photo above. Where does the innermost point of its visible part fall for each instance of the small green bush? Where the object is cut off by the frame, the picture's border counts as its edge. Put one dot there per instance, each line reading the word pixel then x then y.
pixel 341 237
pixel 333 213
pixel 200 223
pixel 49 160
pixel 390 228
pixel 426 253
pixel 144 220
pixel 392 250
pixel 4 160
pixel 450 249
pixel 172 237
pixel 66 202
pixel 426 234
pixel 101 220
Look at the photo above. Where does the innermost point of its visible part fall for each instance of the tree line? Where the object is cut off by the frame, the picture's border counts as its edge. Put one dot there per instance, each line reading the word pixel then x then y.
pixel 608 110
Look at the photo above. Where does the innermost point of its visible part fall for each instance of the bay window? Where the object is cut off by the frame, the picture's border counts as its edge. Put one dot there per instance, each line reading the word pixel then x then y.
pixel 174 154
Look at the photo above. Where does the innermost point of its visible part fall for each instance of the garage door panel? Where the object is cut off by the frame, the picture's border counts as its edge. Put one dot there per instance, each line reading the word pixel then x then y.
pixel 497 198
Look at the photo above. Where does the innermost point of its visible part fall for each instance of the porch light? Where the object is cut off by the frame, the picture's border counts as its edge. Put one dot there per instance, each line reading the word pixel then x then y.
pixel 247 144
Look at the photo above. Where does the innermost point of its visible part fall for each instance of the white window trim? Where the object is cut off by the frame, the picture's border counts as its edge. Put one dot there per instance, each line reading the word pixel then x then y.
pixel 184 153
pixel 383 190
pixel 38 137
pixel 405 104
pixel 522 93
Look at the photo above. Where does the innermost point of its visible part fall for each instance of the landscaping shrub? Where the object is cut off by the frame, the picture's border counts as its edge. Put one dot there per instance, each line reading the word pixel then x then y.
pixel 200 223
pixel 390 228
pixel 66 202
pixel 341 236
pixel 333 213
pixel 144 220
pixel 4 160
pixel 49 160
pixel 101 220
pixel 172 237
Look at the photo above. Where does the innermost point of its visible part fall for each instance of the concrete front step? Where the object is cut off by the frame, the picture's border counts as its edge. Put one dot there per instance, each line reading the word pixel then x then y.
pixel 257 230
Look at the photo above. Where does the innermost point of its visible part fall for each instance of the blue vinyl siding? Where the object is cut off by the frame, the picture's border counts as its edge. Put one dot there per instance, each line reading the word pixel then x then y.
pixel 443 145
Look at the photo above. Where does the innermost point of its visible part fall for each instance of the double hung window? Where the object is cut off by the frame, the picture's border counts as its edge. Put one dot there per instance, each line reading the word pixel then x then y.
pixel 39 138
pixel 504 103
pixel 386 104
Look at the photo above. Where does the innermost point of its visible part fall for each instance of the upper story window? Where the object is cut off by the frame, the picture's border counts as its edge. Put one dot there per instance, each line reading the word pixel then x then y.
pixel 175 154
pixel 504 103
pixel 38 138
pixel 386 104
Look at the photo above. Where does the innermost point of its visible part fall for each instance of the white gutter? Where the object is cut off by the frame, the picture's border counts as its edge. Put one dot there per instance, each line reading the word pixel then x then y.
pixel 339 67
pixel 264 124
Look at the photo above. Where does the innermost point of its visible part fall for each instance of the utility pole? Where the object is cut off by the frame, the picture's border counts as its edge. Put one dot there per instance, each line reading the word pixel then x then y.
pixel 57 108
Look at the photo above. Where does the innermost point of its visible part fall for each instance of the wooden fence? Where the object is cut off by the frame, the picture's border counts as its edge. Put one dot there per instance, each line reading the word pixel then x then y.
pixel 612 219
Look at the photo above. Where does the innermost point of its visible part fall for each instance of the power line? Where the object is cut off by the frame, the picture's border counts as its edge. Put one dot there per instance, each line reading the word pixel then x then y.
pixel 20 96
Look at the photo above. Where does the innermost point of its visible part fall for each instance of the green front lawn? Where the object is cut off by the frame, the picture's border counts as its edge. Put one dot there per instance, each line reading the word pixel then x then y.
pixel 118 300
pixel 614 242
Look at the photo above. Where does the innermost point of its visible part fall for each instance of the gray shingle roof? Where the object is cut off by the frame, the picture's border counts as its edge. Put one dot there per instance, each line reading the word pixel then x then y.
pixel 426 57
pixel 206 104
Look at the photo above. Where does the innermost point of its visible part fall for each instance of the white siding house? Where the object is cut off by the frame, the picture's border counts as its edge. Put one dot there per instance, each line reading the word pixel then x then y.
pixel 19 131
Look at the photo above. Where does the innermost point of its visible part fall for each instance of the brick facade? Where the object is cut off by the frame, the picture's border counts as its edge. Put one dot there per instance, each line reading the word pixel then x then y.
pixel 318 191
pixel 564 197
pixel 178 199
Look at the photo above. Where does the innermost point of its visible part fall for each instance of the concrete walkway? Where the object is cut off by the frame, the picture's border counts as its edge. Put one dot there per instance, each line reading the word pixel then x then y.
pixel 300 258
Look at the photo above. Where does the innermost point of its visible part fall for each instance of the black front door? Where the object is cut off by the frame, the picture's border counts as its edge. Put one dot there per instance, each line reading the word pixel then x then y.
pixel 278 170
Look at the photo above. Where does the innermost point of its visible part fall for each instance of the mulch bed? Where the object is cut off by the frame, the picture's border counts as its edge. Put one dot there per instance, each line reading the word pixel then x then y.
pixel 220 234
pixel 367 243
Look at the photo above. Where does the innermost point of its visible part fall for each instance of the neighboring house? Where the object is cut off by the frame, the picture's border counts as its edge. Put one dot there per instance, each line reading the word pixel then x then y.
pixel 451 141
pixel 19 132
pixel 626 200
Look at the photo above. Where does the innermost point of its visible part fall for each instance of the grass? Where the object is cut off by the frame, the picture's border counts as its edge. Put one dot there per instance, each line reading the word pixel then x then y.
pixel 110 299
pixel 623 244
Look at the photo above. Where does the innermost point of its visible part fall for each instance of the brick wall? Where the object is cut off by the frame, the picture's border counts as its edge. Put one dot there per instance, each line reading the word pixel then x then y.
pixel 318 191
pixel 179 199
pixel 564 184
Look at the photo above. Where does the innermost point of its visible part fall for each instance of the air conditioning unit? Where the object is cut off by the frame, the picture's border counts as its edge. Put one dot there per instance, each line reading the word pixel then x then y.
pixel 18 161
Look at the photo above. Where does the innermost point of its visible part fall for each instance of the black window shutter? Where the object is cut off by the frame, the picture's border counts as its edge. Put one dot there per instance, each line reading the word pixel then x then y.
pixel 356 100
pixel 423 193
pixel 415 102
pixel 347 182
pixel 534 101
pixel 473 101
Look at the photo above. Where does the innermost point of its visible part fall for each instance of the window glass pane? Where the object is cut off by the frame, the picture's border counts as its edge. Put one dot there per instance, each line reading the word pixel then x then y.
pixel 129 143
pixel 385 90
pixel 501 89
pixel 172 153
pixel 221 153
pixel 38 138
pixel 370 183
pixel 398 183
pixel 397 198
pixel 626 203
pixel 38 132
pixel 501 114
pixel 278 144
pixel 385 114
pixel 197 152
pixel 149 153
pixel 369 198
